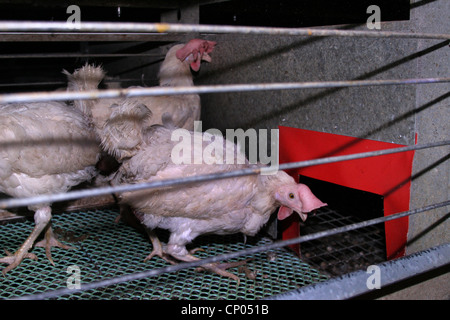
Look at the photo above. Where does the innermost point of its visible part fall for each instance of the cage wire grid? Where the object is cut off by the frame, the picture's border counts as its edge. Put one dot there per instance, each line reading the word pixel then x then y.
pixel 105 249
pixel 342 253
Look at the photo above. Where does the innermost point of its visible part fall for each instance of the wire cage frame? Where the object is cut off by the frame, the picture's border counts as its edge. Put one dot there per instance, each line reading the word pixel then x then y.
pixel 178 28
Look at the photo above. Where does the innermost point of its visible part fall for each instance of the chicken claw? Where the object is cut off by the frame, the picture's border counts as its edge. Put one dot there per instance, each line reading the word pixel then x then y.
pixel 220 268
pixel 192 251
pixel 157 248
pixel 49 241
pixel 42 217
pixel 15 259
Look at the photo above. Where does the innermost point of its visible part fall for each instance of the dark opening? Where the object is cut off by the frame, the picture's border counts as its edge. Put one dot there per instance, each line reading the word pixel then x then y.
pixel 57 12
pixel 300 13
pixel 349 251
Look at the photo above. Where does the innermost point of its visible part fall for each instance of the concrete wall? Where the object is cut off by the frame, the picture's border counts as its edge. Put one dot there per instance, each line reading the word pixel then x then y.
pixel 432 123
pixel 382 113
pixel 385 113
pixel 431 167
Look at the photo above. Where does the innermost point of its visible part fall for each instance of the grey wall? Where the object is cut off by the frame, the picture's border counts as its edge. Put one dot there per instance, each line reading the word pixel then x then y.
pixel 382 113
pixel 385 113
pixel 432 123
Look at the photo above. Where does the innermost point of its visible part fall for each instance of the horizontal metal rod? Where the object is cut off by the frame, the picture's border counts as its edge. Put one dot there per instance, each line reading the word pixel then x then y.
pixel 63 83
pixel 228 256
pixel 162 91
pixel 76 55
pixel 91 36
pixel 71 195
pixel 110 27
pixel 390 272
pixel 34 84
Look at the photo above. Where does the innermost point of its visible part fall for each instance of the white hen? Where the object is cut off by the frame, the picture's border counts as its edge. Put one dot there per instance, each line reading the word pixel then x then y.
pixel 46 148
pixel 174 71
pixel 223 206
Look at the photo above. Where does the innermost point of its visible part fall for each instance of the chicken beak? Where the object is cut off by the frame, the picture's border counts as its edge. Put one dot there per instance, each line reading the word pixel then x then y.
pixel 303 216
pixel 206 57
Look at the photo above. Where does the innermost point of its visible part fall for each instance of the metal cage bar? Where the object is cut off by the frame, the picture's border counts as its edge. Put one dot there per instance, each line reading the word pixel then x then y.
pixel 391 272
pixel 227 256
pixel 76 55
pixel 161 91
pixel 71 195
pixel 158 28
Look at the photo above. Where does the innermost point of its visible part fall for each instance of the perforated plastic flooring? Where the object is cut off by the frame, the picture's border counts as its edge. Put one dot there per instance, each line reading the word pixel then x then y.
pixel 105 249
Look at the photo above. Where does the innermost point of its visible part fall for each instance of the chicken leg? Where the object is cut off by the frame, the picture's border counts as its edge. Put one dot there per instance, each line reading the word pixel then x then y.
pixel 42 217
pixel 180 252
pixel 49 241
pixel 218 268
pixel 157 248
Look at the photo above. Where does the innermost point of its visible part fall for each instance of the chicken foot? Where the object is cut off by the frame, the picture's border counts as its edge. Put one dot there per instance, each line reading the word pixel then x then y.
pixel 15 259
pixel 218 268
pixel 49 241
pixel 157 248
pixel 42 217
pixel 159 251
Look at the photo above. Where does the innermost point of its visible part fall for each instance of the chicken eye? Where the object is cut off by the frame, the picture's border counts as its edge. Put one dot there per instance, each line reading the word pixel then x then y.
pixel 291 196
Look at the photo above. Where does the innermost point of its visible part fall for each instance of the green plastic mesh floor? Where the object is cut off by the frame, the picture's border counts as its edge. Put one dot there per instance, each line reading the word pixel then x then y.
pixel 105 249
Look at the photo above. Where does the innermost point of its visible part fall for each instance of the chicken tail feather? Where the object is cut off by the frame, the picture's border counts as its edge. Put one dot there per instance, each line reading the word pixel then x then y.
pixel 85 78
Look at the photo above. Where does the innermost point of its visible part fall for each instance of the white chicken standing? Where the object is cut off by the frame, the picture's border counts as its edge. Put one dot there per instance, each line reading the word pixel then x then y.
pixel 174 71
pixel 225 206
pixel 46 148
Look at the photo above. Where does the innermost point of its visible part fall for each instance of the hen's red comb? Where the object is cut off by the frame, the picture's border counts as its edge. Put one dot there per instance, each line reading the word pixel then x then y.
pixel 195 47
